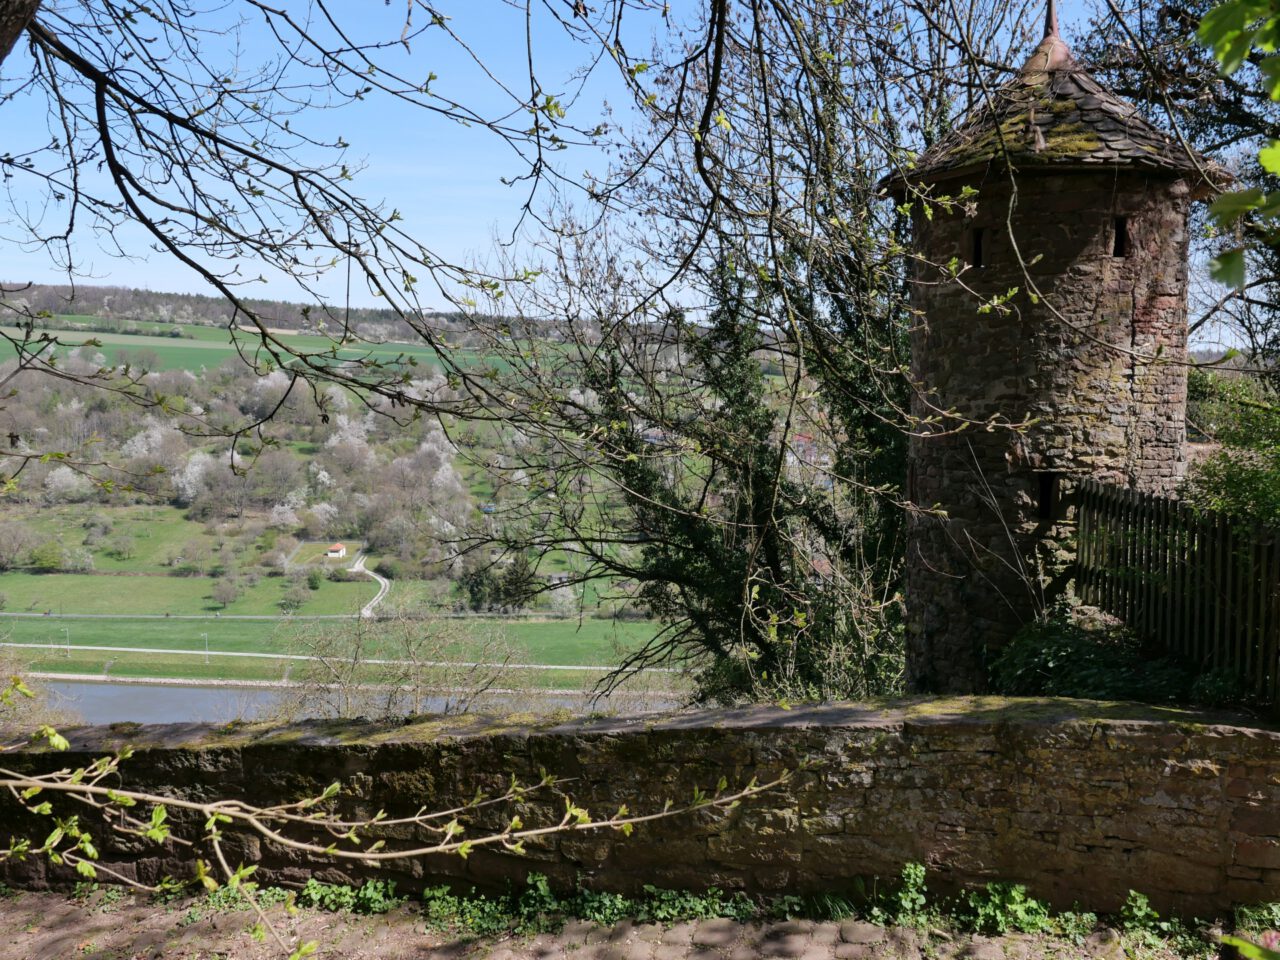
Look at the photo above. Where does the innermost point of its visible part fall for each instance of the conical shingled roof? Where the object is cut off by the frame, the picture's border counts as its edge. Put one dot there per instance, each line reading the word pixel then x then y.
pixel 1053 113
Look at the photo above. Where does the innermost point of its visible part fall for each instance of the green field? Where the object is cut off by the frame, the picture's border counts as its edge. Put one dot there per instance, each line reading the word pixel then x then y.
pixel 155 666
pixel 556 642
pixel 59 593
pixel 211 346
pixel 157 533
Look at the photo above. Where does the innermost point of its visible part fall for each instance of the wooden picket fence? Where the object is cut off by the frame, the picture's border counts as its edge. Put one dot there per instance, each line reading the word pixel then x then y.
pixel 1198 584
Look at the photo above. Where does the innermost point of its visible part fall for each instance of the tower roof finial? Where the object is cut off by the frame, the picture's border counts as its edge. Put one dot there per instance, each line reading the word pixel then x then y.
pixel 1051 19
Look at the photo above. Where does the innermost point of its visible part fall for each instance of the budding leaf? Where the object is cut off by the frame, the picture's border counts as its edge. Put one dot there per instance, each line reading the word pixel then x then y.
pixel 1228 268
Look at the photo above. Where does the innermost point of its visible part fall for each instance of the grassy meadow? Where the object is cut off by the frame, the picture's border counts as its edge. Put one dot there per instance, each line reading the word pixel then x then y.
pixel 225 669
pixel 209 347
pixel 62 593
pixel 552 642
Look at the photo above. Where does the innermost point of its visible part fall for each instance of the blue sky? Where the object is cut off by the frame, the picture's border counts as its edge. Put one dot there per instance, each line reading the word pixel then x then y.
pixel 444 178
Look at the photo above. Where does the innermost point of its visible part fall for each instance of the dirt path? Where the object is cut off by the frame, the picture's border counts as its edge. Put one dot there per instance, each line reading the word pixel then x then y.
pixel 49 926
pixel 384 585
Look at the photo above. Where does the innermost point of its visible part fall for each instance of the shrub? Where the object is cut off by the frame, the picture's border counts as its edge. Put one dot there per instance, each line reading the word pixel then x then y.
pixel 1062 656
pixel 1239 480
pixel 48 557
pixel 394 569
pixel 1244 484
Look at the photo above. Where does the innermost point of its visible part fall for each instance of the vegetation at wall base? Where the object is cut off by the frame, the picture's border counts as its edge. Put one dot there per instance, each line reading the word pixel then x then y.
pixel 1077 652
pixel 998 909
pixel 371 897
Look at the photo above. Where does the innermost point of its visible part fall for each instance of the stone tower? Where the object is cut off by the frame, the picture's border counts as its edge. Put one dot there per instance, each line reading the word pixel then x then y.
pixel 1049 289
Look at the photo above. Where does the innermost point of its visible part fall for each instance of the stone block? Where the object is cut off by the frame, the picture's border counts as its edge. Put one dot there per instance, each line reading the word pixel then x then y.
pixel 1254 852
pixel 716 933
pixel 1257 820
pixel 858 931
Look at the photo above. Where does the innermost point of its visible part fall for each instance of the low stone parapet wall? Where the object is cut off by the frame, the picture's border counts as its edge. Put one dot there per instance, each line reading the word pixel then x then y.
pixel 1079 801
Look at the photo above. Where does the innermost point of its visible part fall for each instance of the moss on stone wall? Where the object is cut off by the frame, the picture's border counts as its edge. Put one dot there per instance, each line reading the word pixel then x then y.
pixel 1077 799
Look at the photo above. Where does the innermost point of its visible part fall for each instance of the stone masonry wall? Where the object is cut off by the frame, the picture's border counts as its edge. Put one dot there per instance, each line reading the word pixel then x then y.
pixel 1080 801
pixel 1089 354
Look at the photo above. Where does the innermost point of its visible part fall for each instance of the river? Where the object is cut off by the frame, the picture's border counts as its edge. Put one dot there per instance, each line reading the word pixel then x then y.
pixel 99 702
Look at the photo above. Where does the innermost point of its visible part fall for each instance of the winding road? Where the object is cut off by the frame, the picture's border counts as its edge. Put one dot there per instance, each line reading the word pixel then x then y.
pixel 384 585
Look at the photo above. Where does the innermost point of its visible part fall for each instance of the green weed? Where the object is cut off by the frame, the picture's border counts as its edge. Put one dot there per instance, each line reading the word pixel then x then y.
pixel 605 909
pixel 818 906
pixel 371 897
pixel 1259 917
pixel 1001 907
pixel 228 899
pixel 536 908
pixel 907 905
pixel 1147 932
pixel 476 914
pixel 675 906
pixel 1074 925
pixel 104 899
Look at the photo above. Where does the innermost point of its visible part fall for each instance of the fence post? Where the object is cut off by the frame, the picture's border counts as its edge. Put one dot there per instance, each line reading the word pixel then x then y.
pixel 1269 667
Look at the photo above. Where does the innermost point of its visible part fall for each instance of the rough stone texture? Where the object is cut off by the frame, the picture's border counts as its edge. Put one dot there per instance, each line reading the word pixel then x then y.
pixel 1080 801
pixel 1044 351
pixel 1083 376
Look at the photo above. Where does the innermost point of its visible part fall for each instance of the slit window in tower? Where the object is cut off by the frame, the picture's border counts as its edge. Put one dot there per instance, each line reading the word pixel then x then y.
pixel 1047 505
pixel 1120 237
pixel 978 253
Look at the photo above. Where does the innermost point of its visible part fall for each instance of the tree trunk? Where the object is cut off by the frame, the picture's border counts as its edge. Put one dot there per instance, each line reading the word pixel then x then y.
pixel 14 17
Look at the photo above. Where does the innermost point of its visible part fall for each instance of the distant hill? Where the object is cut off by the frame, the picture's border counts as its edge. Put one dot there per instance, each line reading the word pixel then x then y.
pixel 123 305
